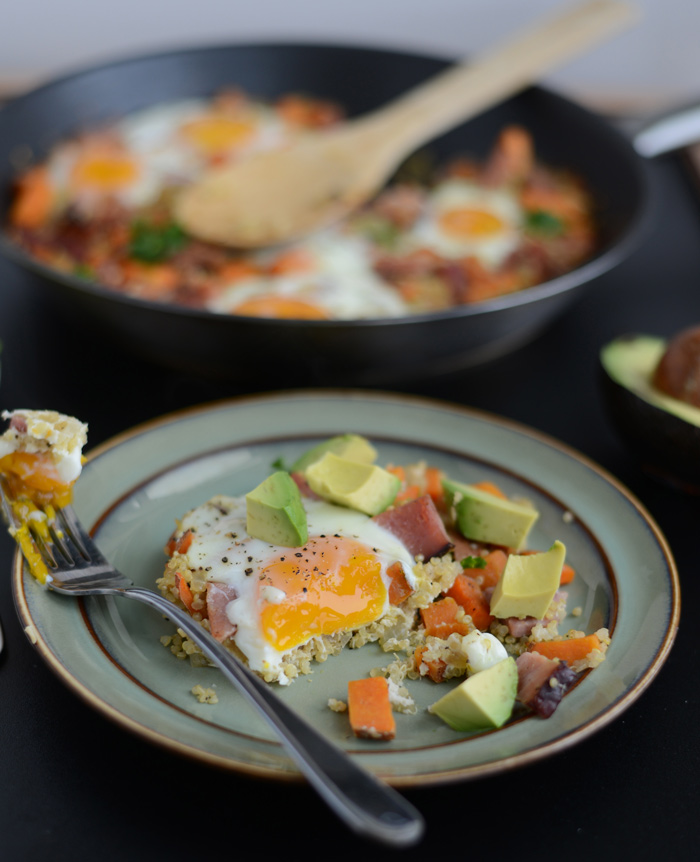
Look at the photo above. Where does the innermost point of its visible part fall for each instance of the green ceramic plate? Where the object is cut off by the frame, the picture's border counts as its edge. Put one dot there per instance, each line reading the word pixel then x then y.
pixel 134 487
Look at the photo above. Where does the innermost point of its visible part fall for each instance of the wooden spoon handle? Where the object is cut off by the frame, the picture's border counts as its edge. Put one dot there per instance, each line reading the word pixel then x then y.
pixel 468 88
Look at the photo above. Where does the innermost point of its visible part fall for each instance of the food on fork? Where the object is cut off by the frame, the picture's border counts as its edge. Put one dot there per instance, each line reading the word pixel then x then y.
pixel 40 461
pixel 41 454
pixel 336 556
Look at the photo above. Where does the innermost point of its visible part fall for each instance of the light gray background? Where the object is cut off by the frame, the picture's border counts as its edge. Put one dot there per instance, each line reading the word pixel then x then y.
pixel 656 63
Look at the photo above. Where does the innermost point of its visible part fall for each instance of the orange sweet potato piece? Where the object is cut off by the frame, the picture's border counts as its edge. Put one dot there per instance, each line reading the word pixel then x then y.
pixel 32 205
pixel 369 708
pixel 490 488
pixel 184 592
pixel 490 574
pixel 569 649
pixel 436 667
pixel 440 619
pixel 399 588
pixel 155 279
pixel 181 544
pixel 467 593
pixel 433 478
pixel 568 573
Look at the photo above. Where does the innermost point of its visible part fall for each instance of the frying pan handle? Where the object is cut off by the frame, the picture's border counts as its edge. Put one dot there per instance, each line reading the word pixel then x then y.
pixel 669 132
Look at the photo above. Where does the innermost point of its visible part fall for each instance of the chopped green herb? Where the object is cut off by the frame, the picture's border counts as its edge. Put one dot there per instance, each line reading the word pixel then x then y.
pixel 379 230
pixel 153 243
pixel 544 223
pixel 82 270
pixel 473 563
pixel 278 464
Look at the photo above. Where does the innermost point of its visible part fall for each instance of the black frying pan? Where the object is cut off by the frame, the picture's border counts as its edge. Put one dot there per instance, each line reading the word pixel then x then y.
pixel 307 352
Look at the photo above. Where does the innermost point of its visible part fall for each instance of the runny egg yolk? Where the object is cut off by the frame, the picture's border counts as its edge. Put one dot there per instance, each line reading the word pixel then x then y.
pixel 34 475
pixel 104 171
pixel 216 134
pixel 281 307
pixel 329 585
pixel 467 222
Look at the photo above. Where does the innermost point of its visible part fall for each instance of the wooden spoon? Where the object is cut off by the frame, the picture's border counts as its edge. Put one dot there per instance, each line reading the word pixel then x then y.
pixel 285 194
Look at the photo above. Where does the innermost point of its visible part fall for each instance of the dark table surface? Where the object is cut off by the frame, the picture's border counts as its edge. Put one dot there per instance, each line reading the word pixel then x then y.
pixel 75 786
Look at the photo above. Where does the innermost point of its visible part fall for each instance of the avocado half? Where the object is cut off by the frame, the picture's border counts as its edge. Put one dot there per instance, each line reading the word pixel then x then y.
pixel 662 432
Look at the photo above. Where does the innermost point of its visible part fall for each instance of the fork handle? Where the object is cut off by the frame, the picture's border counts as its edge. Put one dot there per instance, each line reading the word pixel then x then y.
pixel 367 805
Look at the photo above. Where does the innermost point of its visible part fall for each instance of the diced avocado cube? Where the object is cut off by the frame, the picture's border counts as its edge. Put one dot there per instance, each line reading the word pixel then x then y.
pixel 484 517
pixel 351 446
pixel 275 513
pixel 364 487
pixel 528 584
pixel 483 700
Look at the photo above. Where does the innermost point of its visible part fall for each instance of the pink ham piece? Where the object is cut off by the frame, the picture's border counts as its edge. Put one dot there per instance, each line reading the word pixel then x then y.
pixel 303 487
pixel 542 682
pixel 465 547
pixel 419 526
pixel 218 597
pixel 520 628
pixel 19 423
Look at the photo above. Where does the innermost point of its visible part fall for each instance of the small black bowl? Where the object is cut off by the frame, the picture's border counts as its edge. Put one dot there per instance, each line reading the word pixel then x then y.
pixel 662 433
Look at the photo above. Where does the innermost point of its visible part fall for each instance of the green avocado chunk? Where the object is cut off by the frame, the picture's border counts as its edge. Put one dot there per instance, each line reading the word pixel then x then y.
pixel 528 584
pixel 364 487
pixel 351 446
pixel 484 517
pixel 483 700
pixel 275 513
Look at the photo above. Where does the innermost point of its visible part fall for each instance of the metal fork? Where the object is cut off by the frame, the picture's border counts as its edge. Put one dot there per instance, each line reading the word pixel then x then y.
pixel 369 807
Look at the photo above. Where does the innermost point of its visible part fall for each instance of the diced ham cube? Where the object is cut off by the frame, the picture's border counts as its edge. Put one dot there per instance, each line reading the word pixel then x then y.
pixel 19 423
pixel 303 486
pixel 218 597
pixel 520 628
pixel 419 526
pixel 542 682
pixel 465 547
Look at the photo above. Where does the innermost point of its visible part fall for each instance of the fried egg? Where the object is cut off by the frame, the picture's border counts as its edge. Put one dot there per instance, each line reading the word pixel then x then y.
pixel 156 148
pixel 334 584
pixel 337 281
pixel 183 138
pixel 83 173
pixel 463 219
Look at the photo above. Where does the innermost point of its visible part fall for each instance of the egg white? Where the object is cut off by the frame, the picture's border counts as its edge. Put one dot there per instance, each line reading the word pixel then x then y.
pixel 342 281
pixel 222 548
pixel 154 135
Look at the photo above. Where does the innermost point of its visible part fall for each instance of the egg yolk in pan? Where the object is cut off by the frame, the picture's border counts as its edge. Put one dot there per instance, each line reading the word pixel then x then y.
pixel 104 171
pixel 214 134
pixel 466 222
pixel 281 307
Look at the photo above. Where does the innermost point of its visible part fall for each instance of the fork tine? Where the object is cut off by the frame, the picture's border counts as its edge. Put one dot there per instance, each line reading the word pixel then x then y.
pixel 76 532
pixel 7 511
pixel 54 543
pixel 55 536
